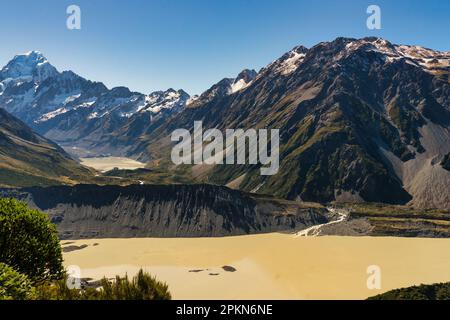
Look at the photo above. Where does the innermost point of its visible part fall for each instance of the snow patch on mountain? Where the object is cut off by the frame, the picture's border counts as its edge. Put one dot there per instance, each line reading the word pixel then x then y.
pixel 291 64
pixel 62 110
pixel 164 100
pixel 192 99
pixel 238 86
pixel 242 81
pixel 33 90
pixel 427 59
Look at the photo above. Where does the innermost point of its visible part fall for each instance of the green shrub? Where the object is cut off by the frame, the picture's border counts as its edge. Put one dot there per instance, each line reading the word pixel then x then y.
pixel 438 291
pixel 142 287
pixel 31 263
pixel 29 242
pixel 14 285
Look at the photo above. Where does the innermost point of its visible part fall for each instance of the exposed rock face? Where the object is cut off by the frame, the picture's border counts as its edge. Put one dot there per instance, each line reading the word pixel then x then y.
pixel 359 119
pixel 90 211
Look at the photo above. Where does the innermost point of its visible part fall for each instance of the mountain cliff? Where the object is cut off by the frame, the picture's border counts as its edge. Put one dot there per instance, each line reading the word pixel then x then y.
pixel 90 211
pixel 359 120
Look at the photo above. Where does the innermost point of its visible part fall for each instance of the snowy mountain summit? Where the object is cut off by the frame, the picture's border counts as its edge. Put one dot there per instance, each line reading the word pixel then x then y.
pixel 64 105
pixel 31 65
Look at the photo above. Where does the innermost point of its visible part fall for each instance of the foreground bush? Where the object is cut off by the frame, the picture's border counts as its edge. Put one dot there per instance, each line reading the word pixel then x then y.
pixel 141 287
pixel 14 285
pixel 439 291
pixel 29 242
pixel 31 263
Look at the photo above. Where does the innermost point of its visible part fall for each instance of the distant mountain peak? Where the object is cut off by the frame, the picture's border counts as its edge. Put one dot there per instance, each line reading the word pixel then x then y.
pixel 431 61
pixel 171 99
pixel 247 75
pixel 120 92
pixel 367 104
pixel 35 56
pixel 55 103
pixel 243 80
pixel 32 65
pixel 300 49
pixel 289 62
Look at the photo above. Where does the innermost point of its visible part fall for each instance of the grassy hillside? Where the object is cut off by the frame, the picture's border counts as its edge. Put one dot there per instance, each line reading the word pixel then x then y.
pixel 27 158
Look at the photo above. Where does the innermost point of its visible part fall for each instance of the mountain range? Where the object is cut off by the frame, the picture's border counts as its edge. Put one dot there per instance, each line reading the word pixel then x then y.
pixel 84 116
pixel 359 119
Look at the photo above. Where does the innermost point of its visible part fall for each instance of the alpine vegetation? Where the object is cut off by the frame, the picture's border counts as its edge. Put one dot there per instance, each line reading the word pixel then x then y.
pixel 238 147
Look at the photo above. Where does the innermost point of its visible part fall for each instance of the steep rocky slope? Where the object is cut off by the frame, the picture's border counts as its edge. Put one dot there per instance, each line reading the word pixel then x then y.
pixel 165 211
pixel 27 158
pixel 359 120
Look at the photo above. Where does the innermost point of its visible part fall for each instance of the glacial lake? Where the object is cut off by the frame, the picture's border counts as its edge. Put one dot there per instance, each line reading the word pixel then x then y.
pixel 268 266
pixel 104 164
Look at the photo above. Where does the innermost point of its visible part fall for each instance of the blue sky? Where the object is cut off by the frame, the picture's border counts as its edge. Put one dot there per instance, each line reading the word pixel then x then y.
pixel 191 44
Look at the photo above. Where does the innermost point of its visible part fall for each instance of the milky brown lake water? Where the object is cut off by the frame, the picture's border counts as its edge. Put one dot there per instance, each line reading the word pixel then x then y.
pixel 269 266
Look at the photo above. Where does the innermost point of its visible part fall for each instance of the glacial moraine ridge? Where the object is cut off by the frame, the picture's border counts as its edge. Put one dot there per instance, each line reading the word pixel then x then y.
pixel 92 211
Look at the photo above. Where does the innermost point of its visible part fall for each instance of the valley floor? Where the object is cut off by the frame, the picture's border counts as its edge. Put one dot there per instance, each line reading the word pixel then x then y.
pixel 268 266
pixel 104 164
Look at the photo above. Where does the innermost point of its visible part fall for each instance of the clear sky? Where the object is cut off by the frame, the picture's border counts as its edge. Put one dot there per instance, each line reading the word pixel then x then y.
pixel 151 45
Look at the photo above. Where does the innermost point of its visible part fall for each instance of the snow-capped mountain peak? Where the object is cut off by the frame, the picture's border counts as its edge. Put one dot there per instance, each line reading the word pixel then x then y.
pixel 64 105
pixel 430 60
pixel 31 65
pixel 288 63
pixel 243 80
pixel 170 99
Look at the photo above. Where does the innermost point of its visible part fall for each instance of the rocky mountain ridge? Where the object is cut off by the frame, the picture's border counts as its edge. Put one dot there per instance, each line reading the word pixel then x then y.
pixel 91 211
pixel 360 120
